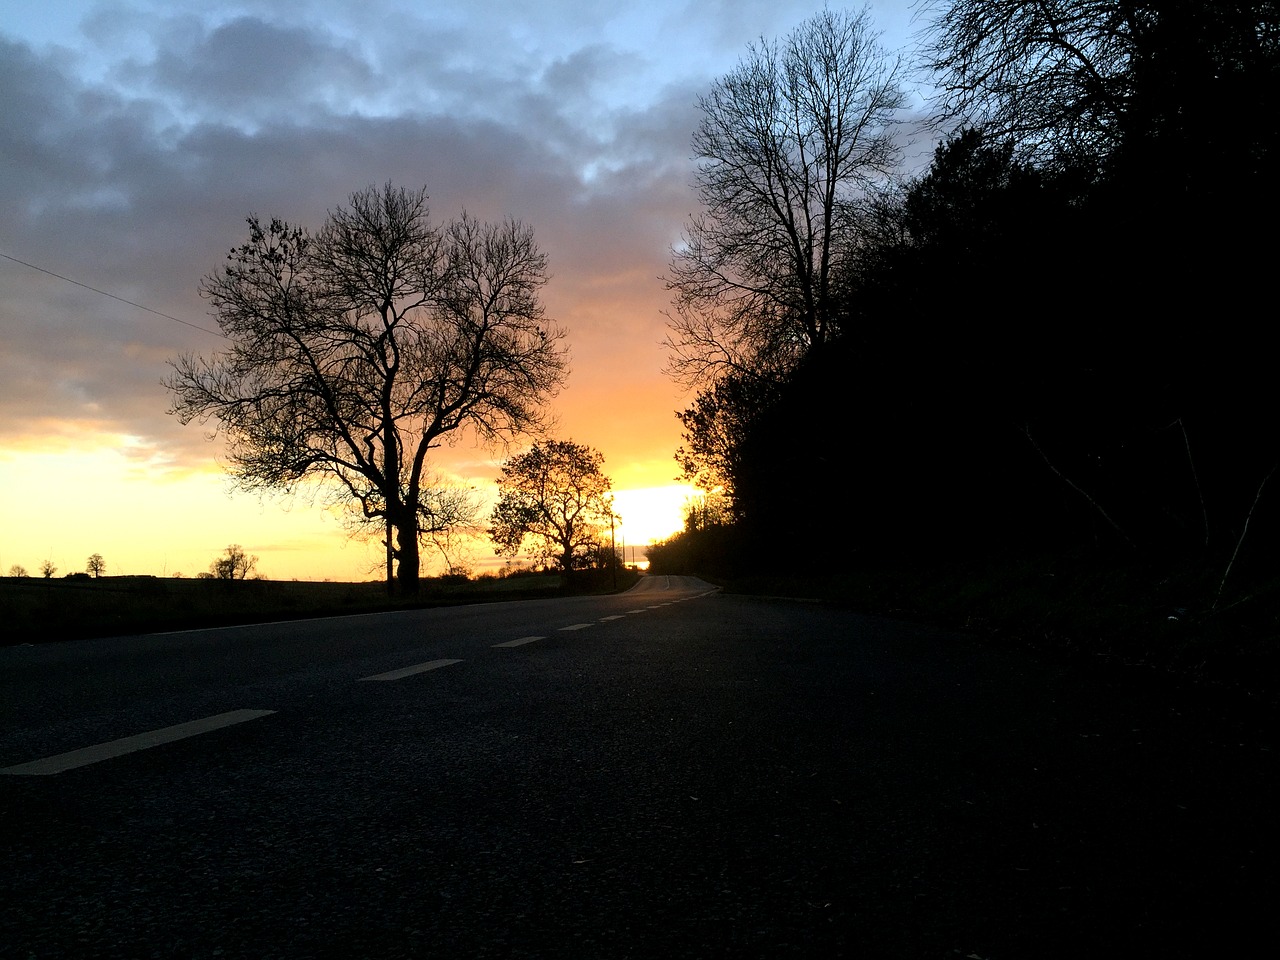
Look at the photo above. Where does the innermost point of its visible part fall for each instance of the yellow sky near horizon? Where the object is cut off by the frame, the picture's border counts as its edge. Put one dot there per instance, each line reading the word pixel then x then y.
pixel 145 518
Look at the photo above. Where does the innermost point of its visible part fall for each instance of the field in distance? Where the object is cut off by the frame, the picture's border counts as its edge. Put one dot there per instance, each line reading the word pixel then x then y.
pixel 37 610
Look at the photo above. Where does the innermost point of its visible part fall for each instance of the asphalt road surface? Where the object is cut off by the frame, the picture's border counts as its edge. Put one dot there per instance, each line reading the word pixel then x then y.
pixel 671 772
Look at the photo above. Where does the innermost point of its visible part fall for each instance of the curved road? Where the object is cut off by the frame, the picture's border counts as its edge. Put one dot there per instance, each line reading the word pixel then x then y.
pixel 670 772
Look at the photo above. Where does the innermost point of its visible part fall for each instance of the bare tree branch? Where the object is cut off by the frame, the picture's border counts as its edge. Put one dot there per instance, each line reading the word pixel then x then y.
pixel 788 142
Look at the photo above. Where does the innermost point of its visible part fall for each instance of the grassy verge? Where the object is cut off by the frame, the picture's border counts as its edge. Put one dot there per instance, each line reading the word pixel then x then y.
pixel 1145 616
pixel 39 611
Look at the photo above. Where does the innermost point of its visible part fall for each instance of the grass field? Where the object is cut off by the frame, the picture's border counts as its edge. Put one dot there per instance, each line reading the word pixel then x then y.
pixel 38 611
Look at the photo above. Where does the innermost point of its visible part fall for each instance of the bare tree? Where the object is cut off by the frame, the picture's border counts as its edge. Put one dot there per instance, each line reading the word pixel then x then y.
pixel 17 570
pixel 789 142
pixel 556 496
pixel 47 569
pixel 356 352
pixel 95 566
pixel 1054 76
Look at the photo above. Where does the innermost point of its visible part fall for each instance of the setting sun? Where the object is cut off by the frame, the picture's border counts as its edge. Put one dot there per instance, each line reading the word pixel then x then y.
pixel 650 513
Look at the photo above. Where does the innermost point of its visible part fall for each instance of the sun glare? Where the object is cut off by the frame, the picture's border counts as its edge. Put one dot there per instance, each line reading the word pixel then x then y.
pixel 650 513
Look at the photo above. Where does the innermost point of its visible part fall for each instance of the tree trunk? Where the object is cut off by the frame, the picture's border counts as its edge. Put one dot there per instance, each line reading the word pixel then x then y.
pixel 407 554
pixel 390 544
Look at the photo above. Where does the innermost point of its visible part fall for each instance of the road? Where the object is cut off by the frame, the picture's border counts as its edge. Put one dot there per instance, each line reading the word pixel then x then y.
pixel 672 772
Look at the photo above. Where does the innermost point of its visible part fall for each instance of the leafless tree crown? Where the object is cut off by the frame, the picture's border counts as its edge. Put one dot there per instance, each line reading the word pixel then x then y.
pixel 357 350
pixel 788 143
pixel 1051 75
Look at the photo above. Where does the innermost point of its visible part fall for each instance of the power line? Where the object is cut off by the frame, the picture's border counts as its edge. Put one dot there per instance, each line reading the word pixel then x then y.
pixel 185 323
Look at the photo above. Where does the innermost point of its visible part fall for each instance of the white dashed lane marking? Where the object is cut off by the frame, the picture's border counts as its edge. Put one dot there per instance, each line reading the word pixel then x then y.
pixel 409 671
pixel 155 738
pixel 141 741
pixel 519 643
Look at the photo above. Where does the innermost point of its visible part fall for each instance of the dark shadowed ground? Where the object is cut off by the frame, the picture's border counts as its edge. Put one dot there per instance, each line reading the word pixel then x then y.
pixel 716 777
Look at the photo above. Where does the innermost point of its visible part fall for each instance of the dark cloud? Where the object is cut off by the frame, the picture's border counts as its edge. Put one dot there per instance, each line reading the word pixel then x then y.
pixel 110 193
pixel 131 160
pixel 258 71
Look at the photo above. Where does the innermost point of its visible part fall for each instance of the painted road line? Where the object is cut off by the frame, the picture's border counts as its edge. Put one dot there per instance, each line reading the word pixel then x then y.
pixel 519 643
pixel 141 741
pixel 641 610
pixel 577 626
pixel 409 671
pixel 617 617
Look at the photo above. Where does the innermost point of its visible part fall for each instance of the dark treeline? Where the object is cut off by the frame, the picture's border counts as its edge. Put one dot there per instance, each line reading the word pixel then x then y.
pixel 1053 339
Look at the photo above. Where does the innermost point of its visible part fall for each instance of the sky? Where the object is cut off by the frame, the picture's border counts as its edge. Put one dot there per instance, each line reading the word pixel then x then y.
pixel 137 135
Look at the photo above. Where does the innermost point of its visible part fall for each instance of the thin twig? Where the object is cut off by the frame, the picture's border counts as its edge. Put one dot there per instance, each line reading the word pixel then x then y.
pixel 1076 487
pixel 1257 496
pixel 1196 478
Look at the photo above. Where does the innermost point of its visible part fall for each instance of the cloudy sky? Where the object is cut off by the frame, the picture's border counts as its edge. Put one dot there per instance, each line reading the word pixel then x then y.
pixel 136 135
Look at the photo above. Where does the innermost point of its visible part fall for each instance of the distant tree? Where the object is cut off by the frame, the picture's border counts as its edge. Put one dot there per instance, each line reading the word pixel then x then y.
pixel 47 569
pixel 18 570
pixel 357 351
pixel 556 496
pixel 789 143
pixel 234 564
pixel 95 566
pixel 705 511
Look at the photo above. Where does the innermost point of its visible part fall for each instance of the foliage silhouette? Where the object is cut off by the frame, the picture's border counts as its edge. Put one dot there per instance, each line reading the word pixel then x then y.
pixel 1048 340
pixel 556 496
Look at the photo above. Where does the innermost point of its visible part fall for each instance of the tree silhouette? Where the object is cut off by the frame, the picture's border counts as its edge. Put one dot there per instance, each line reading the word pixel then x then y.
pixel 556 496
pixel 788 143
pixel 1053 76
pixel 359 350
pixel 234 564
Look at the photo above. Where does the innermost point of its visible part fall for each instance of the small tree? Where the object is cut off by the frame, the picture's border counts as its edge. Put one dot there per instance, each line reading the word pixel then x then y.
pixel 556 496
pixel 95 566
pixel 17 570
pixel 234 564
pixel 48 569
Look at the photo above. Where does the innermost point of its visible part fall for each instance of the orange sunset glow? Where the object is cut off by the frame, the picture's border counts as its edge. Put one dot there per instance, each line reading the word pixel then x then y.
pixel 145 133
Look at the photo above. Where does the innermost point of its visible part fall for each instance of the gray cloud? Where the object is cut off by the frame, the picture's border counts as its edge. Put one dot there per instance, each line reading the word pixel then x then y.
pixel 133 153
pixel 259 71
